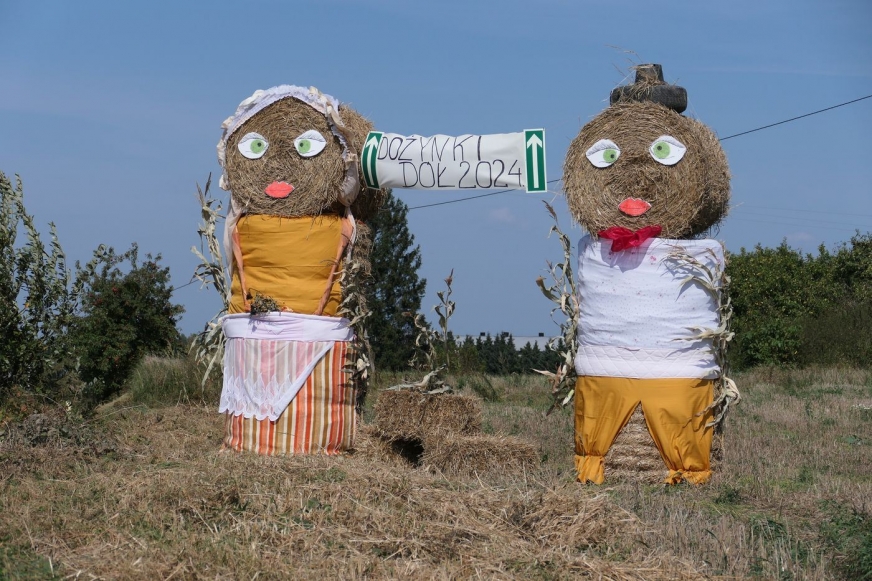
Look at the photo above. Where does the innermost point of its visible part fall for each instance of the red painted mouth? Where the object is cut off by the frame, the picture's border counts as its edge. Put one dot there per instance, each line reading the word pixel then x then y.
pixel 279 190
pixel 634 206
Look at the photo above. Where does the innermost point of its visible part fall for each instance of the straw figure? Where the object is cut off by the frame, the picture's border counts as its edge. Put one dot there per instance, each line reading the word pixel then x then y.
pixel 648 183
pixel 296 242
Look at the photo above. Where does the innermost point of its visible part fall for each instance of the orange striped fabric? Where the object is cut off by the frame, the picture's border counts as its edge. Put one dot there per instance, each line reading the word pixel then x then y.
pixel 320 419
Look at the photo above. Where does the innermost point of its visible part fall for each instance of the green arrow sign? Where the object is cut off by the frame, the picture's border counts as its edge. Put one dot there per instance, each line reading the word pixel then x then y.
pixel 534 143
pixel 368 158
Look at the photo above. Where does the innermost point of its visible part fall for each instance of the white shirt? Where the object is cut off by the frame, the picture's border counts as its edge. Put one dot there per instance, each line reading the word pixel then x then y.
pixel 635 311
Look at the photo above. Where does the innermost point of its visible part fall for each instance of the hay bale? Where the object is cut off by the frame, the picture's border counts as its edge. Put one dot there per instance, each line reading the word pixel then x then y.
pixel 409 415
pixel 633 457
pixel 453 455
pixel 369 444
pixel 317 180
pixel 686 199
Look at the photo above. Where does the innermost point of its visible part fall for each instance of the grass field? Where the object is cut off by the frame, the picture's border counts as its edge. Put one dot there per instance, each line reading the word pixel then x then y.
pixel 140 491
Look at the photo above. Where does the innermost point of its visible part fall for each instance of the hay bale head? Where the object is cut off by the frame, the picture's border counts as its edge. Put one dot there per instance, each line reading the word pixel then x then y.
pixel 296 156
pixel 641 163
pixel 412 415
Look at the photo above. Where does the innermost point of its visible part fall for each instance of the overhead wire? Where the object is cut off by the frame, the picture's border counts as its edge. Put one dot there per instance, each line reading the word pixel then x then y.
pixel 840 227
pixel 474 197
pixel 721 139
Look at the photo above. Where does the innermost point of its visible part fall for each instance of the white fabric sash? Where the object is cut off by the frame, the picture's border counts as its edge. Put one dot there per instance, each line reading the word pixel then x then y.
pixel 287 327
pixel 269 357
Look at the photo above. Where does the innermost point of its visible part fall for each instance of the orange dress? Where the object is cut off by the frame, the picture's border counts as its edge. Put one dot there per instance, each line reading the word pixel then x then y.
pixel 291 260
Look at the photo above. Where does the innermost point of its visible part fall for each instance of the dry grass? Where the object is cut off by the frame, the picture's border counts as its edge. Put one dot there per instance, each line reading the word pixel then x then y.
pixel 633 456
pixel 143 493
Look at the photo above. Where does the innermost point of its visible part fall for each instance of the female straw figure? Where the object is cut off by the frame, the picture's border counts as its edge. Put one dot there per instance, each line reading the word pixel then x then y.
pixel 297 205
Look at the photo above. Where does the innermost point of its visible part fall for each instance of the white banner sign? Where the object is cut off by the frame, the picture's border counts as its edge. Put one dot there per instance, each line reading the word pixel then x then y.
pixel 466 162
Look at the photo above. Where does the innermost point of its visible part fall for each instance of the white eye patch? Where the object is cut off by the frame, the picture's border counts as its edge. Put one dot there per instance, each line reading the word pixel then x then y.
pixel 667 150
pixel 310 143
pixel 253 145
pixel 603 153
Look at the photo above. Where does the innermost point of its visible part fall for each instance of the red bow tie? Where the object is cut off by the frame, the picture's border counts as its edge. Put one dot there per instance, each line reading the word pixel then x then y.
pixel 623 238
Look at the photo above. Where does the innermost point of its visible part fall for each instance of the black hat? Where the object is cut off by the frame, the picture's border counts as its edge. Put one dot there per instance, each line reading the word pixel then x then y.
pixel 650 86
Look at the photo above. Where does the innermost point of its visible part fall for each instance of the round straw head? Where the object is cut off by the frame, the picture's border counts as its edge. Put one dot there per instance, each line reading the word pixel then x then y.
pixel 612 186
pixel 270 168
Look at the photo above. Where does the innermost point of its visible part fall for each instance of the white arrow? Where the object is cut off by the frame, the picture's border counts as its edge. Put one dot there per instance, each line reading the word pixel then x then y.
pixel 535 143
pixel 370 149
pixel 373 142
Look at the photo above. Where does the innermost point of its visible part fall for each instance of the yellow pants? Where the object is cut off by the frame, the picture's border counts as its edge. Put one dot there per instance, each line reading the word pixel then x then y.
pixel 673 413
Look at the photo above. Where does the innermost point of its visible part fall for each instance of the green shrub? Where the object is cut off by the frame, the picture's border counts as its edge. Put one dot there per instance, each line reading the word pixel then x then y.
pixel 124 316
pixel 799 309
pixel 479 384
pixel 841 335
pixel 36 304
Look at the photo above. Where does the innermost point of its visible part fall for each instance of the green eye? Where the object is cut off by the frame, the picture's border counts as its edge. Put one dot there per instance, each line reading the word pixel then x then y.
pixel 310 143
pixel 603 153
pixel 666 150
pixel 253 145
pixel 661 150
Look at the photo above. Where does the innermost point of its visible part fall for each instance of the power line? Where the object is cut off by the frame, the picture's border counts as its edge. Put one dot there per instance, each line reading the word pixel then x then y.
pixel 175 288
pixel 474 197
pixel 721 139
pixel 794 118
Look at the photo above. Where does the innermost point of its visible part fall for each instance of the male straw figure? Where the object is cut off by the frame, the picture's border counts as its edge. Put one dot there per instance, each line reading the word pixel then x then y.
pixel 646 182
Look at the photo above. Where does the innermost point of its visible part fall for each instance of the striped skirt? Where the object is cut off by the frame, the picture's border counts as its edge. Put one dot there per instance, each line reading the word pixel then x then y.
pixel 319 419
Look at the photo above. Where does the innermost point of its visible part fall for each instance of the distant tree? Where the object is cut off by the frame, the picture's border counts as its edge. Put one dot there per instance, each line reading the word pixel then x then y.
pixel 530 358
pixel 852 267
pixel 124 316
pixel 394 288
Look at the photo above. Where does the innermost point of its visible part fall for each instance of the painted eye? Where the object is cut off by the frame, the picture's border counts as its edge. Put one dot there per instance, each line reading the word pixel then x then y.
pixel 253 145
pixel 310 143
pixel 603 153
pixel 667 150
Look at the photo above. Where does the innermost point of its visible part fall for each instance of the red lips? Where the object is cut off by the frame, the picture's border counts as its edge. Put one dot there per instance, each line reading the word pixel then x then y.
pixel 634 206
pixel 279 190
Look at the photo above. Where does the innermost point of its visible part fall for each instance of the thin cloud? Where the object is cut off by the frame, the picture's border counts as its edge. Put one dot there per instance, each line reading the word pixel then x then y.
pixel 502 216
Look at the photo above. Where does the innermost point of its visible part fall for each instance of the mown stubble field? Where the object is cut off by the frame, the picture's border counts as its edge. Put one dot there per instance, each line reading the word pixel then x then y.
pixel 141 491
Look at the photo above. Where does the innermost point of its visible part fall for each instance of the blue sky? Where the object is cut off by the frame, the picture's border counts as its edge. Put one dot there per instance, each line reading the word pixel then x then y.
pixel 110 113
